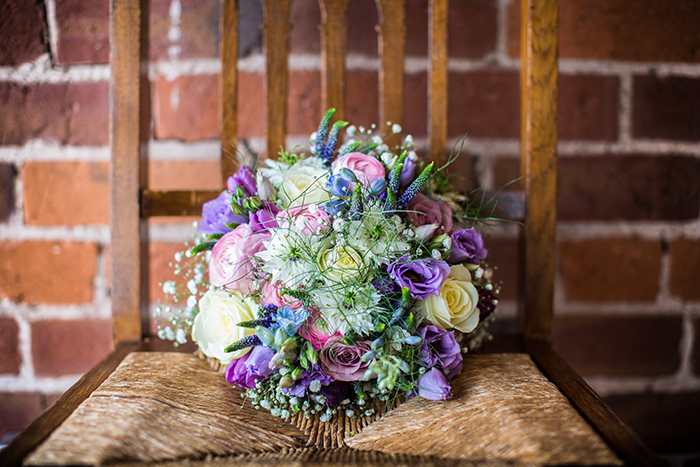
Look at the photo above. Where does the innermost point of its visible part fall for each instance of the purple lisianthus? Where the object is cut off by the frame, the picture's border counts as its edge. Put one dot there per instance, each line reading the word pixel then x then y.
pixel 467 247
pixel 217 213
pixel 307 379
pixel 335 392
pixel 264 218
pixel 245 179
pixel 423 278
pixel 253 366
pixel 433 385
pixel 408 171
pixel 439 347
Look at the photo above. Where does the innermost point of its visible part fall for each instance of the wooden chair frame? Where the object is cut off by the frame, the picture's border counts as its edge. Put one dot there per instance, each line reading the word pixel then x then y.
pixel 132 202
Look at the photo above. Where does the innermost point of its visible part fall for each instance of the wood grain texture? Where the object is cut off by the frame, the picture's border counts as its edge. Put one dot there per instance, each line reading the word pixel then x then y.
pixel 502 408
pixel 125 33
pixel 437 80
pixel 174 203
pixel 42 427
pixel 538 82
pixel 391 41
pixel 160 406
pixel 276 35
pixel 229 88
pixel 333 52
pixel 619 436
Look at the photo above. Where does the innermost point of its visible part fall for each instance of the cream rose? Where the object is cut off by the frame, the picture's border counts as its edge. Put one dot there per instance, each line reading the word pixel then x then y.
pixel 216 325
pixel 455 305
pixel 304 185
pixel 341 264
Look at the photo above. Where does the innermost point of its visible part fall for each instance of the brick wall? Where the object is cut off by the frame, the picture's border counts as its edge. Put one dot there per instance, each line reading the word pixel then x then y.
pixel 628 272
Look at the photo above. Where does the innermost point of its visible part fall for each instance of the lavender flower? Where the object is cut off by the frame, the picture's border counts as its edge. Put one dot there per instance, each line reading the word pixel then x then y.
pixel 423 278
pixel 254 366
pixel 467 247
pixel 245 179
pixel 433 385
pixel 263 219
pixel 439 347
pixel 217 213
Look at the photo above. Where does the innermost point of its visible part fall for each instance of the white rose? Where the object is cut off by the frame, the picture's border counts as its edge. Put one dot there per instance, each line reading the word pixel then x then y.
pixel 341 264
pixel 304 185
pixel 216 325
pixel 455 305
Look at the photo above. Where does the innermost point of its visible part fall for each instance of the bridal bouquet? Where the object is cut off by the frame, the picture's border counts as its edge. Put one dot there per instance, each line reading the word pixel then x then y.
pixel 337 279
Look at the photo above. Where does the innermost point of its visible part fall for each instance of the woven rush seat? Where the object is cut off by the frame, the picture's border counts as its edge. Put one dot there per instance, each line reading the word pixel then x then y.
pixel 503 410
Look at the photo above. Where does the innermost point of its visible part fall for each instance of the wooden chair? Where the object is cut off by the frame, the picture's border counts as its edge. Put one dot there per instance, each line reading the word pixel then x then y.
pixel 132 202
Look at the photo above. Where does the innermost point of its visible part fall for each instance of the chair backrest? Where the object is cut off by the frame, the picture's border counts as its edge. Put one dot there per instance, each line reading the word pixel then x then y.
pixel 132 201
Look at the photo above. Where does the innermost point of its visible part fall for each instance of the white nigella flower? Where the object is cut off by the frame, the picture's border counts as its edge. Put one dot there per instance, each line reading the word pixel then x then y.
pixel 288 257
pixel 347 307
pixel 378 236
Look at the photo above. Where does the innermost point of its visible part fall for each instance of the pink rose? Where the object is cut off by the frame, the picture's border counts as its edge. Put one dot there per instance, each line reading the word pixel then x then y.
pixel 423 211
pixel 343 362
pixel 271 296
pixel 366 168
pixel 314 221
pixel 232 259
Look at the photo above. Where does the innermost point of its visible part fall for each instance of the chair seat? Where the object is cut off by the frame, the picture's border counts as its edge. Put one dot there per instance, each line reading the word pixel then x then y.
pixel 160 406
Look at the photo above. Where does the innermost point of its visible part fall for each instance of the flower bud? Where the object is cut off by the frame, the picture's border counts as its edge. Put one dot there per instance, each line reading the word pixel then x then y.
pixel 296 373
pixel 288 345
pixel 266 191
pixel 286 381
pixel 280 337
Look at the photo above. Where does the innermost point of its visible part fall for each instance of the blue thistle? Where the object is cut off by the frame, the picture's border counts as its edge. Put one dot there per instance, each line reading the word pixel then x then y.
pixel 415 187
pixel 265 322
pixel 356 203
pixel 332 142
pixel 322 132
pixel 250 341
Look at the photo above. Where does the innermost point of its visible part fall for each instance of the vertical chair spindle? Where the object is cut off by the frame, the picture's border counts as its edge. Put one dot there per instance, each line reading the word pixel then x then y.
pixel 391 40
pixel 437 78
pixel 229 87
pixel 333 52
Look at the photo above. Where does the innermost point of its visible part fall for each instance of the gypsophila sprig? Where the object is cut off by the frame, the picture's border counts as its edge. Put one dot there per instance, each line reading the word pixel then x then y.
pixel 337 280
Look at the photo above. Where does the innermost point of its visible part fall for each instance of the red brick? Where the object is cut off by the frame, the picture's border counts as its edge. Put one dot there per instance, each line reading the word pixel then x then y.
pixel 7 191
pixel 251 111
pixel 82 31
pixel 505 257
pixel 652 188
pixel 666 107
pixel 685 269
pixel 187 108
pixel 22 31
pixel 484 104
pixel 51 272
pixel 18 410
pixel 471 28
pixel 667 423
pixel 10 357
pixel 69 347
pixel 184 175
pixel 611 269
pixel 198 27
pixel 588 107
pixel 68 113
pixel 362 18
pixel 66 193
pixel 695 354
pixel 591 188
pixel 599 345
pixel 362 98
pixel 305 36
pixel 304 111
pixel 161 256
pixel 647 30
